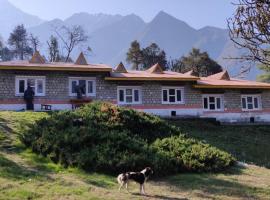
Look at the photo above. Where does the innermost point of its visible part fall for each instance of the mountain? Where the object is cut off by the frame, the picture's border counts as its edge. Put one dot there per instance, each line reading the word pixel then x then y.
pixel 110 36
pixel 10 16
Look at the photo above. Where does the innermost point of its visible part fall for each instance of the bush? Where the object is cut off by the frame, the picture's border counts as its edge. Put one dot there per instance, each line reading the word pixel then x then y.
pixel 191 155
pixel 106 138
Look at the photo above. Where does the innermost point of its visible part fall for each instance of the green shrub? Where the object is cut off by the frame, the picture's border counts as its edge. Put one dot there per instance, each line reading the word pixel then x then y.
pixel 191 155
pixel 107 138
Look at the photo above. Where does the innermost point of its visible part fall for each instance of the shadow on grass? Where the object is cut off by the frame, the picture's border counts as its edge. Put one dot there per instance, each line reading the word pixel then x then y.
pixel 159 197
pixel 11 170
pixel 209 185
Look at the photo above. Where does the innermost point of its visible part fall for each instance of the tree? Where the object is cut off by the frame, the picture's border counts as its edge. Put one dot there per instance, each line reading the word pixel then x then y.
pixel 134 55
pixel 200 63
pixel 34 40
pixel 249 29
pixel 53 47
pixel 71 37
pixel 18 40
pixel 152 55
pixel 176 65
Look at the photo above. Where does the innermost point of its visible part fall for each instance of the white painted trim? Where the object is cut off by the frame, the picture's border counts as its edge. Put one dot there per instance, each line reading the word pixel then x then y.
pixel 139 88
pixel 18 78
pixel 221 96
pixel 93 79
pixel 176 88
pixel 253 96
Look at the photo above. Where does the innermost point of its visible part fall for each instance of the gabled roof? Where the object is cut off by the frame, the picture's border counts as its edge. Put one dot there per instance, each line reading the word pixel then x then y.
pixel 56 66
pixel 37 58
pixel 120 68
pixel 224 75
pixel 81 60
pixel 191 73
pixel 148 76
pixel 155 69
pixel 222 80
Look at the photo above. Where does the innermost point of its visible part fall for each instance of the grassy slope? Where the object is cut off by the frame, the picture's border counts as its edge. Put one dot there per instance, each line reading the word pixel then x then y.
pixel 247 143
pixel 24 175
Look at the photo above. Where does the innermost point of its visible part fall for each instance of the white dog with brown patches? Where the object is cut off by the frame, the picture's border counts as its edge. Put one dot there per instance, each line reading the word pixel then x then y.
pixel 139 177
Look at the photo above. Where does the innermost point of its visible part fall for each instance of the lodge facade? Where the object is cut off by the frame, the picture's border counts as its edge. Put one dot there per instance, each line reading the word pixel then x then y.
pixel 163 93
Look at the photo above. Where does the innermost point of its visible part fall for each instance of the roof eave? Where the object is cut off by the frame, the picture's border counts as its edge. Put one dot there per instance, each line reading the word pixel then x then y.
pixel 56 68
pixel 231 86
pixel 148 79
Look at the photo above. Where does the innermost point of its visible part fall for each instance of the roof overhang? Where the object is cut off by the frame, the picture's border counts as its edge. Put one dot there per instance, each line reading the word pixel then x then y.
pixel 232 86
pixel 148 79
pixel 52 68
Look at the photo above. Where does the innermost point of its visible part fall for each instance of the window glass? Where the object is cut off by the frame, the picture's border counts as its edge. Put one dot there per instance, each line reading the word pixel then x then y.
pixel 129 99
pixel 212 99
pixel 73 86
pixel 21 86
pixel 40 86
pixel 90 87
pixel 165 95
pixel 256 104
pixel 249 99
pixel 178 95
pixel 244 105
pixel 121 95
pixel 172 99
pixel 212 106
pixel 171 91
pixel 218 103
pixel 250 106
pixel 128 91
pixel 31 83
pixel 82 84
pixel 205 103
pixel 136 95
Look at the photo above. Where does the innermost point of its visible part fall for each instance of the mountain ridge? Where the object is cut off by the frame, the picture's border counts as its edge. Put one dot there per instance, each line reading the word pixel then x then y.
pixel 110 36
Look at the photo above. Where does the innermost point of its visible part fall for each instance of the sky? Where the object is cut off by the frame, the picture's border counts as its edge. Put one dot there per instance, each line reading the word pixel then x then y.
pixel 197 13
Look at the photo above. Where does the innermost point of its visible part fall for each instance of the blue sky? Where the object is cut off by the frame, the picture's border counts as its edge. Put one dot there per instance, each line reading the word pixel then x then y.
pixel 197 13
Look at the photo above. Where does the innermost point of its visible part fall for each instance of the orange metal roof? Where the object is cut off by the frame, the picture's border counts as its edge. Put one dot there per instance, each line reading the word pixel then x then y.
pixel 222 80
pixel 146 75
pixel 25 65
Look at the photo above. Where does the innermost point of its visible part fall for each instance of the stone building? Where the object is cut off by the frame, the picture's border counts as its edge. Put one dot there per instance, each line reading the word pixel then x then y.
pixel 163 93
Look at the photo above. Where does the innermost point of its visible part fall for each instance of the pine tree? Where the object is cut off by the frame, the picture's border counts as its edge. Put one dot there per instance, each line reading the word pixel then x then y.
pixel 53 48
pixel 18 40
pixel 152 55
pixel 134 55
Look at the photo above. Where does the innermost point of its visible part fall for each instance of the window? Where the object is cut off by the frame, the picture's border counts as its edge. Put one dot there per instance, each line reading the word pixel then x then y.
pixel 129 95
pixel 213 102
pixel 172 95
pixel 87 86
pixel 37 83
pixel 251 102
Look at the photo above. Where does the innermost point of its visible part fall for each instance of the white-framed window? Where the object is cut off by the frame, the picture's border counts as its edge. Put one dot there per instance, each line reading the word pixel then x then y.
pixel 86 84
pixel 172 95
pixel 213 102
pixel 37 83
pixel 129 95
pixel 251 102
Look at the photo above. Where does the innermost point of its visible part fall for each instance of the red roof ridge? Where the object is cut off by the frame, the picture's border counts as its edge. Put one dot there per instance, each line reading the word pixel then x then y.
pixel 37 58
pixel 155 69
pixel 81 60
pixel 120 68
pixel 224 75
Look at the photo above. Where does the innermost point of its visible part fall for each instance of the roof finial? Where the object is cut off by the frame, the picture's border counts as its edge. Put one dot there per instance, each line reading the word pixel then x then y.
pixel 120 68
pixel 81 60
pixel 155 69
pixel 37 58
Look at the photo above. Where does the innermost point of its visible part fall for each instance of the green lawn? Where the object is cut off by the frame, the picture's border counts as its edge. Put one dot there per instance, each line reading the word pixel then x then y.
pixel 248 143
pixel 25 175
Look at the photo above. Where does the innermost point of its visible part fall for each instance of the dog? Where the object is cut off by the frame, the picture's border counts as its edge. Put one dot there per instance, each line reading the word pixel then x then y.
pixel 139 177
